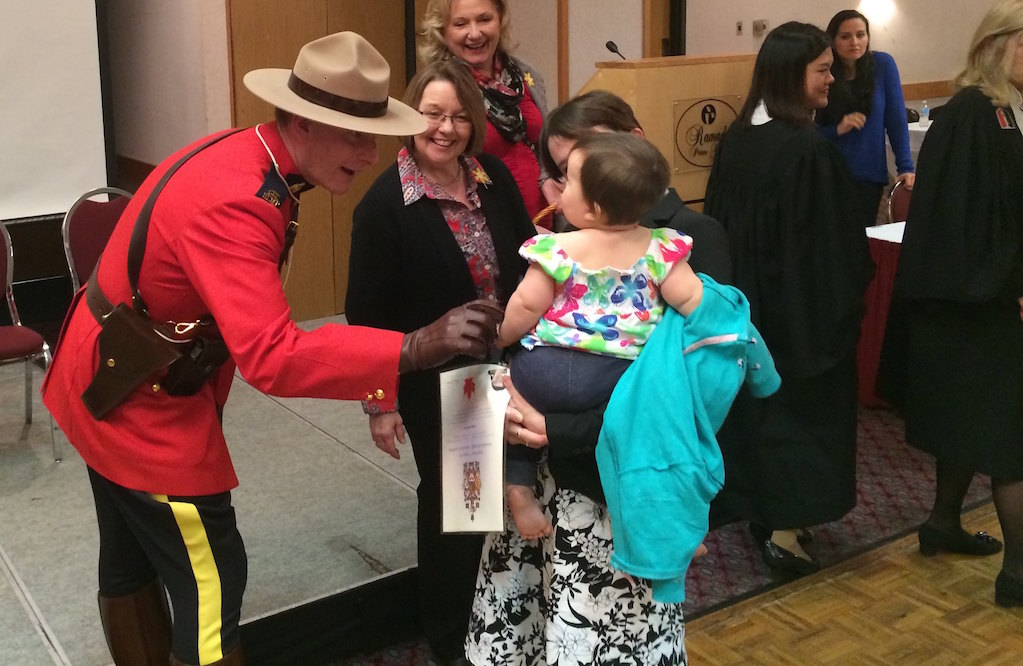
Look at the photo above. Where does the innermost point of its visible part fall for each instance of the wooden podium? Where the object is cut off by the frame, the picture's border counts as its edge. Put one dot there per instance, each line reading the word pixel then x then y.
pixel 684 104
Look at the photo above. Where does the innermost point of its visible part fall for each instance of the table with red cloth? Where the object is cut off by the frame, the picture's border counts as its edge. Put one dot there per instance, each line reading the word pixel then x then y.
pixel 885 241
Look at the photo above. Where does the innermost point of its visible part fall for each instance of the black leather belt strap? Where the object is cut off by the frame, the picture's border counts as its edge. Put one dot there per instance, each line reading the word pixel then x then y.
pixel 99 305
pixel 137 246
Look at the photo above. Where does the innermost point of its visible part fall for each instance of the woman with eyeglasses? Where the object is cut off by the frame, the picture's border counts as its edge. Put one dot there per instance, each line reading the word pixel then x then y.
pixel 475 33
pixel 438 229
pixel 559 594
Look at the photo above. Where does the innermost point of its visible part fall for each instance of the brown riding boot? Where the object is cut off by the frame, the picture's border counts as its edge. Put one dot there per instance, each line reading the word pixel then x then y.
pixel 137 626
pixel 232 658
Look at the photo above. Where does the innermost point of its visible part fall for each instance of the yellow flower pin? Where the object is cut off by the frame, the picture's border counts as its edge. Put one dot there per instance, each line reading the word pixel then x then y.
pixel 480 176
pixel 528 78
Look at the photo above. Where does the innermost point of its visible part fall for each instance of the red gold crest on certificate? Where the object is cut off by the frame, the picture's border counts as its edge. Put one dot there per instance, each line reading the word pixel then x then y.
pixel 471 487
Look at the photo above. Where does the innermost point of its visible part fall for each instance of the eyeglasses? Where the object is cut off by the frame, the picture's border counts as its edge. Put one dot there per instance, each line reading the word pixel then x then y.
pixel 436 118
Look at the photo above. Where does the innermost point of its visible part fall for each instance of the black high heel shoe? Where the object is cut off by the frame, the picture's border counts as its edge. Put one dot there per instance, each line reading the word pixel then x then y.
pixel 1008 590
pixel 782 559
pixel 959 540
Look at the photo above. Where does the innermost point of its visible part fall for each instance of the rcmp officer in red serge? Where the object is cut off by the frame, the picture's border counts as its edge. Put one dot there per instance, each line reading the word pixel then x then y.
pixel 147 423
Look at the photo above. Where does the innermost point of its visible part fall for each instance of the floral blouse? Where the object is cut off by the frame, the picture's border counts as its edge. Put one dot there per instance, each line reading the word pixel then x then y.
pixel 467 224
pixel 607 311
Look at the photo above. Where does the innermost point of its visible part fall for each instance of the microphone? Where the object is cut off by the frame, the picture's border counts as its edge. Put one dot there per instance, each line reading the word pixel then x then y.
pixel 613 48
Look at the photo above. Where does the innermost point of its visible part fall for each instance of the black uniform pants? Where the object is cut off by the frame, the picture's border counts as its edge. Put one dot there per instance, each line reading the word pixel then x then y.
pixel 192 545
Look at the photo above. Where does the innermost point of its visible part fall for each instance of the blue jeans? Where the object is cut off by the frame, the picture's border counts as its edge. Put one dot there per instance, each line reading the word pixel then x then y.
pixel 557 379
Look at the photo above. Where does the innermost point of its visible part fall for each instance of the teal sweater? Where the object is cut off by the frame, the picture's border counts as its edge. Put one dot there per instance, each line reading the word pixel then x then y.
pixel 658 457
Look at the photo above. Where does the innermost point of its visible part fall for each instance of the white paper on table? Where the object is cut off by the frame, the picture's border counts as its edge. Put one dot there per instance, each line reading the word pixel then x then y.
pixel 887 232
pixel 472 449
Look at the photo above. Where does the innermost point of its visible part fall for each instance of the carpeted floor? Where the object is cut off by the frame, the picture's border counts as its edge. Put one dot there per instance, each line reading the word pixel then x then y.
pixel 895 490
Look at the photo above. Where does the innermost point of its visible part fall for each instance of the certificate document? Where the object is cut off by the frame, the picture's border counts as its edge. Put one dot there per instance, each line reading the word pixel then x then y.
pixel 472 449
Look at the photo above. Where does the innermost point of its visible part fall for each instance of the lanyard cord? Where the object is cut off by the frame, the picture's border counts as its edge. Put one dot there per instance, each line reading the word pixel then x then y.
pixel 292 228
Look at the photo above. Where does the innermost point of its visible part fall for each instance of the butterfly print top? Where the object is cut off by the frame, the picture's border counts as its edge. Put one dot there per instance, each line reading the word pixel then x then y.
pixel 606 311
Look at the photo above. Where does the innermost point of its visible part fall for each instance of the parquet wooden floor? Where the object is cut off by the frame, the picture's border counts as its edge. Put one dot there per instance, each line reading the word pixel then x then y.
pixel 888 606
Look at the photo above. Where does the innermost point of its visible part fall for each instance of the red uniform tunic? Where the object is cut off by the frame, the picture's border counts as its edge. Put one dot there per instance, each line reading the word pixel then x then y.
pixel 215 237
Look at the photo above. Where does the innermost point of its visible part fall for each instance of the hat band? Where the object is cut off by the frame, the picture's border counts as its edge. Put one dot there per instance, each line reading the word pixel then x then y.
pixel 320 97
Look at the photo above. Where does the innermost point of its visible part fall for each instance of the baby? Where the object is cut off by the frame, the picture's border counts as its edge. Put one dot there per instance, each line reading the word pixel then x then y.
pixel 591 298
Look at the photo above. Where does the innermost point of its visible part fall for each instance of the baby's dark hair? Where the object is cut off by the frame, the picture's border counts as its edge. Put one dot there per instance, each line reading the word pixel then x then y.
pixel 624 174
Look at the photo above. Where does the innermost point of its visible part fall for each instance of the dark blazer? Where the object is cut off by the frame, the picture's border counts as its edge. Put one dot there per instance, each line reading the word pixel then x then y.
pixel 711 253
pixel 406 268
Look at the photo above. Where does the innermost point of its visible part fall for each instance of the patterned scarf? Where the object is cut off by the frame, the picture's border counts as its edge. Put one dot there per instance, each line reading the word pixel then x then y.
pixel 502 96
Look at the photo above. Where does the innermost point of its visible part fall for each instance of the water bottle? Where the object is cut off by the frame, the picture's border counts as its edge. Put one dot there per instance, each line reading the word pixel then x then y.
pixel 925 115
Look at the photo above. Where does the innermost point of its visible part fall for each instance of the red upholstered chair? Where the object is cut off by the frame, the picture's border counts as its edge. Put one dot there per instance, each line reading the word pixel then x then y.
pixel 19 343
pixel 898 202
pixel 87 228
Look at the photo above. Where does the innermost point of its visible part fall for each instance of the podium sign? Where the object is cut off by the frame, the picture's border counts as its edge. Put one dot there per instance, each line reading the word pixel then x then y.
pixel 699 125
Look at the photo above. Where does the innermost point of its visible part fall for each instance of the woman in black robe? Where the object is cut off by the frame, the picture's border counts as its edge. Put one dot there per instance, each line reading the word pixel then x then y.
pixel 953 357
pixel 786 199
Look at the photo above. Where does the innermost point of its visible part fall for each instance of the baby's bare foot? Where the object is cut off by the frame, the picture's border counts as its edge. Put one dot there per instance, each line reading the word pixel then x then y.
pixel 701 550
pixel 526 512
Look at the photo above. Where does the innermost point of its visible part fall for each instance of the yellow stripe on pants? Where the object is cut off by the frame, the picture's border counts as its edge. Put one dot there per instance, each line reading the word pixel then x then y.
pixel 207 578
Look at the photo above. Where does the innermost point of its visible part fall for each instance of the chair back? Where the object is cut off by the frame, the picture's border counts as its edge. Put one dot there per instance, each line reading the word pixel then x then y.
pixel 898 202
pixel 87 228
pixel 20 343
pixel 7 274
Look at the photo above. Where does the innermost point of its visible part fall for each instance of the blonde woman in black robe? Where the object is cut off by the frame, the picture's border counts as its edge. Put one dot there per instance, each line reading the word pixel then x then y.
pixel 953 357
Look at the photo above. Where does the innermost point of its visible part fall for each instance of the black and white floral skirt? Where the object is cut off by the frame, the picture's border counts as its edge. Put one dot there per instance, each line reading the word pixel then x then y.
pixel 557 601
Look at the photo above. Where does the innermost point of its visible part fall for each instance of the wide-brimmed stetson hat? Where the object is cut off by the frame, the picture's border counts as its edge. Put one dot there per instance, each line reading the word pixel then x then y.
pixel 338 80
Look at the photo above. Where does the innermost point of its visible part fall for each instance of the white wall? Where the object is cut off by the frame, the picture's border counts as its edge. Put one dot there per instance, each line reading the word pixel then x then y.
pixel 928 38
pixel 591 23
pixel 169 58
pixel 171 83
pixel 169 74
pixel 52 136
pixel 534 26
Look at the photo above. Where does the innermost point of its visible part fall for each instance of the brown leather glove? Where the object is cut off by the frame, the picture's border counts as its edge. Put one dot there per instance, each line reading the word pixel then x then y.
pixel 467 330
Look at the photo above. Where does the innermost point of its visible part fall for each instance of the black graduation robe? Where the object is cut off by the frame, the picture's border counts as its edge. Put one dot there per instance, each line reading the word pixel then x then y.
pixel 953 352
pixel 786 199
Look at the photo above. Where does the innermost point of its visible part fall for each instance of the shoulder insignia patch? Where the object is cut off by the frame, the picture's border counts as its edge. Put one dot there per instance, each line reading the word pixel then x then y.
pixel 273 190
pixel 1005 119
pixel 297 184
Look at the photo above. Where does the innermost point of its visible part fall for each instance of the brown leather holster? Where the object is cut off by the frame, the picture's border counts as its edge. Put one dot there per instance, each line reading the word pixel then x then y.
pixel 132 349
pixel 129 352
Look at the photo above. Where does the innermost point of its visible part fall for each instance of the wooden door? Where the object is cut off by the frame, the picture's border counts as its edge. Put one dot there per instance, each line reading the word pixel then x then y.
pixel 382 22
pixel 269 33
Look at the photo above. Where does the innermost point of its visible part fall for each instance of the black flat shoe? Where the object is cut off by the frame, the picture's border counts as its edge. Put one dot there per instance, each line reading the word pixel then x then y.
pixel 960 541
pixel 805 535
pixel 1008 590
pixel 781 559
